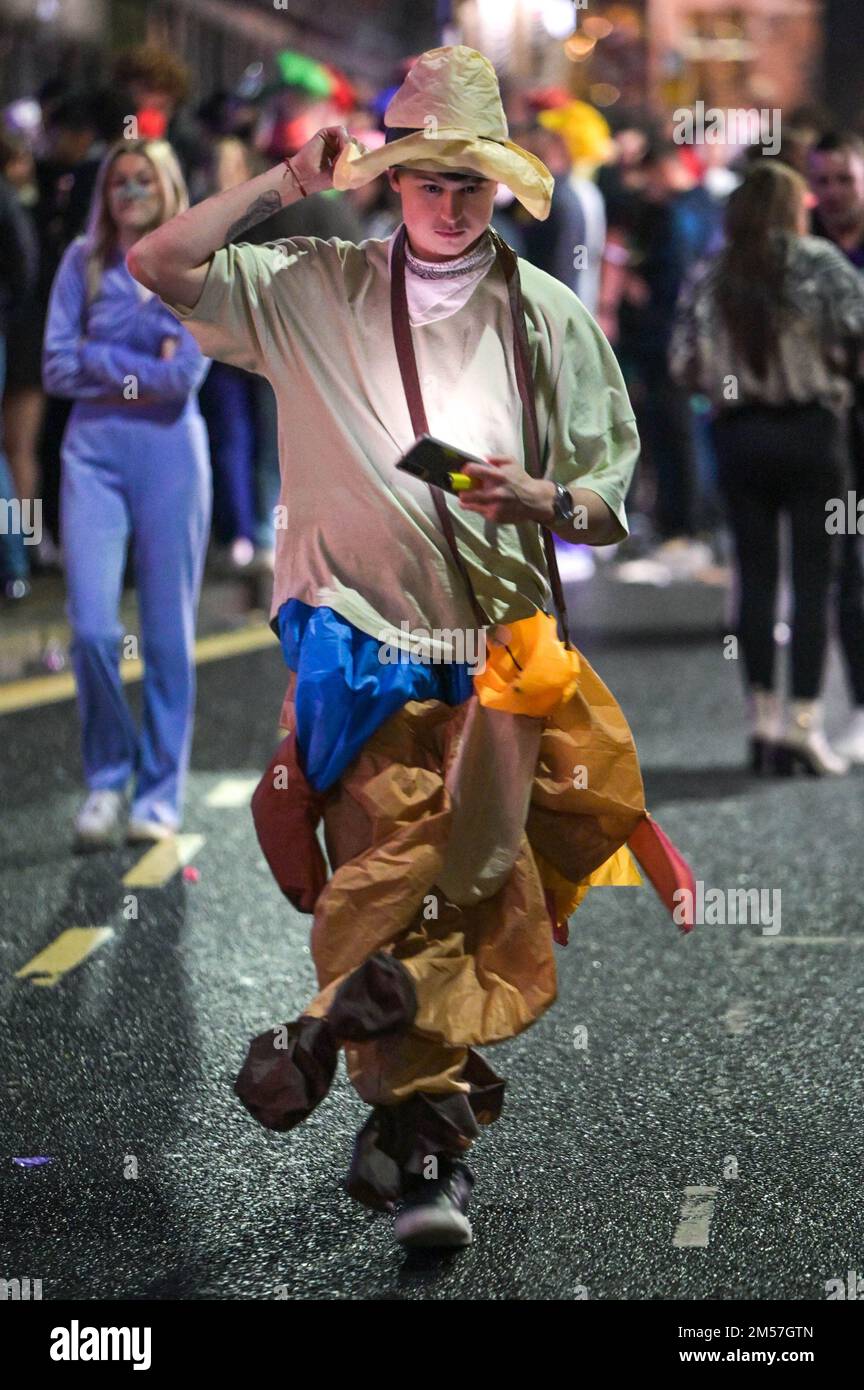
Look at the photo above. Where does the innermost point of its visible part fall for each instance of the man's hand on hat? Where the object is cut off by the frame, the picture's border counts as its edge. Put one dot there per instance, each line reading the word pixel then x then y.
pixel 313 163
pixel 503 491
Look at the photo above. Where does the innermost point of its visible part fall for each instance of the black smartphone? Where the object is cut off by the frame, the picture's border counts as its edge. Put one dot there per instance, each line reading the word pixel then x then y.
pixel 432 461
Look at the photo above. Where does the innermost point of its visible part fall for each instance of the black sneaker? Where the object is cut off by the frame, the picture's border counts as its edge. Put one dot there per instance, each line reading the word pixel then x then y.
pixel 434 1210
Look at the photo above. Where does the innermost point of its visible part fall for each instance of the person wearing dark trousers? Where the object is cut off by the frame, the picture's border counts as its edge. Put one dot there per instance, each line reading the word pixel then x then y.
pixel 836 170
pixel 765 331
pixel 226 401
pixel 66 173
pixel 766 468
pixel 17 277
pixel 23 399
pixel 668 228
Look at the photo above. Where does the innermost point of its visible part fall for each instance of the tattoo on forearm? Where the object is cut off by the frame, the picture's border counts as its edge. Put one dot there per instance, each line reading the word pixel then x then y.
pixel 263 206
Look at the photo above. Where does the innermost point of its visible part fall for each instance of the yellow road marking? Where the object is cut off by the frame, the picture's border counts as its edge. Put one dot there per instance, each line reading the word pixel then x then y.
pixel 163 861
pixel 49 690
pixel 69 949
pixel 232 791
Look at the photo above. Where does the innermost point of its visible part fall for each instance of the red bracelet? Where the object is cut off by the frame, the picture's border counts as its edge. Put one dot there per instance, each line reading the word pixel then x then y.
pixel 287 162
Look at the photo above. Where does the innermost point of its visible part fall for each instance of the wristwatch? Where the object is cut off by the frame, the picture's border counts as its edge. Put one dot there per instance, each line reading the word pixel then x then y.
pixel 563 504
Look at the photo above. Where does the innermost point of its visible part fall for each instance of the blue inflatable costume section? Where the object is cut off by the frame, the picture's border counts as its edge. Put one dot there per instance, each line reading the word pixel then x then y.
pixel 344 692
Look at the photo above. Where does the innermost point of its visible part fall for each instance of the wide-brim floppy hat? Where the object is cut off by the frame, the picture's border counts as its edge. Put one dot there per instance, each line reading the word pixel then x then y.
pixel 448 117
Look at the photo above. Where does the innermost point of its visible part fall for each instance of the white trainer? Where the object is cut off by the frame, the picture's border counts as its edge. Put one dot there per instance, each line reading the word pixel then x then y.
pixel 148 831
pixel 850 744
pixel 99 819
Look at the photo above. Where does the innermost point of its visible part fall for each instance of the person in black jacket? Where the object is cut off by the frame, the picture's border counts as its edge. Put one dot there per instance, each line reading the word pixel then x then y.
pixel 17 276
pixel 65 178
pixel 157 85
pixel 24 399
pixel 836 170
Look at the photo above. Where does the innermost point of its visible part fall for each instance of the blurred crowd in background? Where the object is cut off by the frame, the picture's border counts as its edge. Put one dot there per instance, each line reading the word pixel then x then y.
pixel 633 213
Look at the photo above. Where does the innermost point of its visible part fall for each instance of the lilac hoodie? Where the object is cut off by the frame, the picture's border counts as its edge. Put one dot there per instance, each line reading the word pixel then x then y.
pixel 91 353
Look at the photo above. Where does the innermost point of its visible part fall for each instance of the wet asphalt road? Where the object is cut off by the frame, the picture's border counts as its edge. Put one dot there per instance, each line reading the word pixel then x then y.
pixel 729 1060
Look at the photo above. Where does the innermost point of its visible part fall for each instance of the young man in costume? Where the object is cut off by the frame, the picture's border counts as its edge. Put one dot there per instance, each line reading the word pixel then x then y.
pixel 465 812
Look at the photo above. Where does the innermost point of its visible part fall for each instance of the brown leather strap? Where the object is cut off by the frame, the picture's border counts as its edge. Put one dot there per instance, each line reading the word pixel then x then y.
pixel 411 382
pixel 508 261
pixel 524 377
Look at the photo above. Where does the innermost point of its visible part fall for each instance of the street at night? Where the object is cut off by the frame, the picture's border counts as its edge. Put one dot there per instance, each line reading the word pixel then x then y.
pixel 718 1062
pixel 431 675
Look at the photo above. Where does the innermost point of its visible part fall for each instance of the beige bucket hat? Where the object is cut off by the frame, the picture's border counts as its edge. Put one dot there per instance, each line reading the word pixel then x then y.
pixel 448 115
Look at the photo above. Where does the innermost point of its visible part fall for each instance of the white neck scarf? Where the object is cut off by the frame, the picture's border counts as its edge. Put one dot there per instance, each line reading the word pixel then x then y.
pixel 434 295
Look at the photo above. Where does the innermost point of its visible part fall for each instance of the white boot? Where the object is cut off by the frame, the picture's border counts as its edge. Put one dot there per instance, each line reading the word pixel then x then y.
pixel 850 744
pixel 99 818
pixel 804 745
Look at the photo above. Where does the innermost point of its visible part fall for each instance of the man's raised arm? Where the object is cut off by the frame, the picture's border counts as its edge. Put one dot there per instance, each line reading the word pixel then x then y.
pixel 173 260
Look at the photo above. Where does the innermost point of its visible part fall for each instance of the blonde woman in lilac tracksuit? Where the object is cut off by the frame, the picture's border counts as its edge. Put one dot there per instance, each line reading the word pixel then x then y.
pixel 135 469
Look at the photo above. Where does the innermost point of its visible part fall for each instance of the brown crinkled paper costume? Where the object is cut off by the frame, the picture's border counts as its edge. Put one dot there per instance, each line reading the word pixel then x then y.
pixel 411 981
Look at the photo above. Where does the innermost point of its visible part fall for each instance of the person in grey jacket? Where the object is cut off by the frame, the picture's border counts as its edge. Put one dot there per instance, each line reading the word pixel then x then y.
pixel 766 330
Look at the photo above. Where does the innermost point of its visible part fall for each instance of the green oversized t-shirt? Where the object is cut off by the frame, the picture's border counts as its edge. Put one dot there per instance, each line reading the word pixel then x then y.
pixel 313 317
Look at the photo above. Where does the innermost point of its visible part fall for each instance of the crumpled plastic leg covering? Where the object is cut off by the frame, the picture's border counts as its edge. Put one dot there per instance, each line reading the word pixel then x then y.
pixel 376 999
pixel 289 1070
pixel 398 1140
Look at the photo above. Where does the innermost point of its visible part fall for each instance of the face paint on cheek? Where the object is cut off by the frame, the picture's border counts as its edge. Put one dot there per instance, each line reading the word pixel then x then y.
pixel 133 191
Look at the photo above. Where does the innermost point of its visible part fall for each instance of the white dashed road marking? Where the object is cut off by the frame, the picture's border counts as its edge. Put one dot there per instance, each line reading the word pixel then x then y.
pixel 738 1018
pixel 231 791
pixel 853 939
pixel 694 1221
